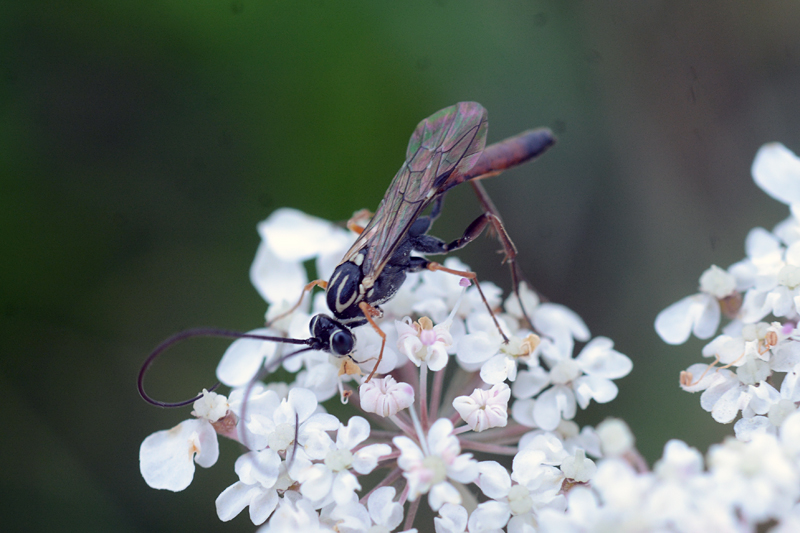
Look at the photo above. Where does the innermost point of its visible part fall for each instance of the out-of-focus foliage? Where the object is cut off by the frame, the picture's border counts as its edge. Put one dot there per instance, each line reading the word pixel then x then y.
pixel 140 142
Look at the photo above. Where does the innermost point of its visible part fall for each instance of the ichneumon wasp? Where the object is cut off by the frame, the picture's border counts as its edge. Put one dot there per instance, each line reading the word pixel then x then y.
pixel 446 149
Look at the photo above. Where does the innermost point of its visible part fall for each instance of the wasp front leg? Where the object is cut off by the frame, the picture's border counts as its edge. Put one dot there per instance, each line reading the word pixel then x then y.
pixel 370 313
pixel 316 283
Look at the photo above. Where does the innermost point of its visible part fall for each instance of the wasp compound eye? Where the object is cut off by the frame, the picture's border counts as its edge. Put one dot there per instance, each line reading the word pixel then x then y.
pixel 341 343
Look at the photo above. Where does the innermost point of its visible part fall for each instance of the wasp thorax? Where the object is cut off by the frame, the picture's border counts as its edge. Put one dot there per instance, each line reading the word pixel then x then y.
pixel 342 292
pixel 335 336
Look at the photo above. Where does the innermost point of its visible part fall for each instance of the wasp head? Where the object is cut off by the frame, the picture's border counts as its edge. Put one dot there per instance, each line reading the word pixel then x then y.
pixel 333 336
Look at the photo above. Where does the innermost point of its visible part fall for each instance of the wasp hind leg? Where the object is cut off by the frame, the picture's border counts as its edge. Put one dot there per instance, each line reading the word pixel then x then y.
pixel 434 266
pixel 517 277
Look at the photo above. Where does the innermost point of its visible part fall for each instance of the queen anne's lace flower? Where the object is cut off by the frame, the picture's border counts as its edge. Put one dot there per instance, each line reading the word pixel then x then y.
pixel 429 470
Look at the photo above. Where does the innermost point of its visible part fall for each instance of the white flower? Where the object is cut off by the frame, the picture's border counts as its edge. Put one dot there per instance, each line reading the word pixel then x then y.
pixel 580 380
pixel 698 314
pixel 484 409
pixel 385 396
pixel 615 436
pixel 537 486
pixel 483 347
pixel 267 420
pixel 428 471
pixel 331 480
pixel 262 478
pixel 211 406
pixel 421 341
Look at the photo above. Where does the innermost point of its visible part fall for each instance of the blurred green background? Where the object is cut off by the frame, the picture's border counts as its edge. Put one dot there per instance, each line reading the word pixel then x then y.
pixel 141 141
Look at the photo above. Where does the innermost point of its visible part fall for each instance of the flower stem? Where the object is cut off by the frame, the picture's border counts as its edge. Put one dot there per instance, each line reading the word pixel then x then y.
pixel 467 444
pixel 423 395
pixel 436 393
pixel 412 514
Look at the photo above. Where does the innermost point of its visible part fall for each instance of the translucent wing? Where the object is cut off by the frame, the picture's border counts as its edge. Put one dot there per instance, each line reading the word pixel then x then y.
pixel 448 143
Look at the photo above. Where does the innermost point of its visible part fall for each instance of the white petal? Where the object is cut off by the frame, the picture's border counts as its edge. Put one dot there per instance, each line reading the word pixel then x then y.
pixel 552 319
pixel 746 428
pixel 316 482
pixel 489 516
pixel 277 280
pixel 729 405
pixel 383 509
pixel 262 506
pixel 529 383
pixel 234 499
pixel 522 412
pixel 552 405
pixel 344 486
pixel 497 369
pixel 493 479
pixel 777 171
pixel 351 435
pixel 443 493
pixel 598 358
pixel 366 459
pixel 476 348
pixel 591 387
pixel 294 236
pixel 452 519
pixel 167 458
pixel 463 469
pixel 440 437
pixel 303 402
pixel 243 359
pixel 258 468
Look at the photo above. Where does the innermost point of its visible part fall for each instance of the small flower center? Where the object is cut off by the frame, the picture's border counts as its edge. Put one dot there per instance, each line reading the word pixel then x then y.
pixel 427 337
pixel 519 499
pixel 517 347
pixel 437 471
pixel 282 437
pixel 717 282
pixel 338 460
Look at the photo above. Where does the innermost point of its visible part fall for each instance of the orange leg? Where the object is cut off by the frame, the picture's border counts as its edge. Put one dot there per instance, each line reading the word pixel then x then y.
pixel 369 313
pixel 432 266
pixel 316 283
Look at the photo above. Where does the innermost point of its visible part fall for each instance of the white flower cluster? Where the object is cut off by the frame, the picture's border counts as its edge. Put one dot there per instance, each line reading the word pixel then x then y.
pixel 449 379
pixel 757 350
pixel 444 389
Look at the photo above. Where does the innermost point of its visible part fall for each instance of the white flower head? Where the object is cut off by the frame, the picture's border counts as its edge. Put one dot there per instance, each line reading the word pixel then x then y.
pixel 385 396
pixel 429 470
pixel 211 406
pixel 421 341
pixel 484 409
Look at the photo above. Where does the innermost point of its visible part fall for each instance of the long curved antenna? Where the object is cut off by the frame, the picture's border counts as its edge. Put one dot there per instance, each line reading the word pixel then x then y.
pixel 201 332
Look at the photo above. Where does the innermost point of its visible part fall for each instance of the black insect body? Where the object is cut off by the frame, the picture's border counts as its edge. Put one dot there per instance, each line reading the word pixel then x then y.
pixel 446 149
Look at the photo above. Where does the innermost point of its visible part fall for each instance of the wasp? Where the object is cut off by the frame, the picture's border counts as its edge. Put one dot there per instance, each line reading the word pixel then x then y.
pixel 446 149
